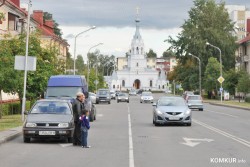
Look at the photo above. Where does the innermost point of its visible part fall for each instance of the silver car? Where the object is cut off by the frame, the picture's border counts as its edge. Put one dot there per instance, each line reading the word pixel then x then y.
pixel 170 109
pixel 195 102
pixel 146 97
pixel 92 97
pixel 123 97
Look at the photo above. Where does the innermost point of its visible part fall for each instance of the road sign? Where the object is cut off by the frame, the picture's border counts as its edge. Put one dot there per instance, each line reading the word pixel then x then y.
pixel 221 79
pixel 193 142
pixel 20 63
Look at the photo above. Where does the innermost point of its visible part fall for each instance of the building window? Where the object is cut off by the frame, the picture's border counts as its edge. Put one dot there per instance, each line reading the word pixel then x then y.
pixel 137 50
pixel 162 86
pixel 137 64
pixel 151 83
pixel 113 86
pixel 12 22
pixel 159 87
pixel 123 83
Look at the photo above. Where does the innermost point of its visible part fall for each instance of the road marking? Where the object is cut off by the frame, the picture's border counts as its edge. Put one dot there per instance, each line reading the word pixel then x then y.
pixel 222 113
pixel 191 141
pixel 99 115
pixel 66 145
pixel 235 138
pixel 131 149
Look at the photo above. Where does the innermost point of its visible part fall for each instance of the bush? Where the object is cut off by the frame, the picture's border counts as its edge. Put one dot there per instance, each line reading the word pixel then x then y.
pixel 13 108
pixel 247 99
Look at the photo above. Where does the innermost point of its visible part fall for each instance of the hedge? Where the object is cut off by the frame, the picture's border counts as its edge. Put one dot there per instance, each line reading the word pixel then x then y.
pixel 13 108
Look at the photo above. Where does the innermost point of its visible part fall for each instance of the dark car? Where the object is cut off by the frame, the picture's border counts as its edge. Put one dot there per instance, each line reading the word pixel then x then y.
pixel 123 97
pixel 103 95
pixel 49 118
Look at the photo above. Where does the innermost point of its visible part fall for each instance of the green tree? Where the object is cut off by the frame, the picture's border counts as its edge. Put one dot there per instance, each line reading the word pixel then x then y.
pixel 244 83
pixel 231 81
pixel 207 22
pixel 211 75
pixel 168 54
pixel 57 30
pixel 80 66
pixel 151 54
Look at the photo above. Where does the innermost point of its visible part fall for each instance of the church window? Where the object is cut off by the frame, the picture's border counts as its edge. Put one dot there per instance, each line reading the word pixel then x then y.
pixel 117 86
pixel 141 50
pixel 137 64
pixel 123 83
pixel 137 50
pixel 151 83
pixel 162 86
pixel 114 86
pixel 159 87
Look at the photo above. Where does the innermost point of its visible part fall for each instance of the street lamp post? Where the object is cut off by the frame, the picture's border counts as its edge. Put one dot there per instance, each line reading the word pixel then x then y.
pixel 93 27
pixel 199 71
pixel 221 89
pixel 89 62
pixel 26 62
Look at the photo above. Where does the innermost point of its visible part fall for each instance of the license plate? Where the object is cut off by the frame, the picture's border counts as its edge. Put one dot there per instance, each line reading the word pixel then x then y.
pixel 47 133
pixel 174 118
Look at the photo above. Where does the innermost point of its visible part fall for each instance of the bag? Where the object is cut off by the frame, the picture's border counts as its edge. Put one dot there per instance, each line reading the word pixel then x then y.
pixel 84 128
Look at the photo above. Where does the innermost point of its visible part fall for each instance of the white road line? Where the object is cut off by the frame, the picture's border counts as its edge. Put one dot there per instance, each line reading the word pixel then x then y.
pixel 235 138
pixel 131 149
pixel 222 113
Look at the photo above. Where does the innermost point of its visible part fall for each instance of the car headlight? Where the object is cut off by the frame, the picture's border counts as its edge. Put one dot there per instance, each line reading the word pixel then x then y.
pixel 188 112
pixel 158 112
pixel 30 125
pixel 63 125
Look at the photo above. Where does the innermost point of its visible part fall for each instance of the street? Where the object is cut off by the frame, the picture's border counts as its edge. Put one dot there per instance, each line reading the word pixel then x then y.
pixel 124 136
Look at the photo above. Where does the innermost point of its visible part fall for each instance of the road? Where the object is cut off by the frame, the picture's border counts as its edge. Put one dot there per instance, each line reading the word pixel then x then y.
pixel 124 136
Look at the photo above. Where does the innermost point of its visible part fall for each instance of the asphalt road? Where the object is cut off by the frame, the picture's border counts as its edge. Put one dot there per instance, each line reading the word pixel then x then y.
pixel 124 136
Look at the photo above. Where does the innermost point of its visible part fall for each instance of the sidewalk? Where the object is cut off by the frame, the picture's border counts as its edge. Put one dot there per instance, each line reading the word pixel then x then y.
pixel 10 134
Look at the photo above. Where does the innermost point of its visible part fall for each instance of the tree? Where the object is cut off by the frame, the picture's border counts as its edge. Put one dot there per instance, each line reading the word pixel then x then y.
pixel 207 22
pixel 80 66
pixel 211 75
pixel 244 83
pixel 57 30
pixel 168 54
pixel 151 54
pixel 231 81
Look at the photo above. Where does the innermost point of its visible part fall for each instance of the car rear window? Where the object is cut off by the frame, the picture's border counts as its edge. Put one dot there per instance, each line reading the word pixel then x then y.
pixel 51 108
pixel 194 98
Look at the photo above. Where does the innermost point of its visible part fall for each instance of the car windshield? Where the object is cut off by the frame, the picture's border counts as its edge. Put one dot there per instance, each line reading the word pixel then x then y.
pixel 102 92
pixel 51 107
pixel 146 94
pixel 194 98
pixel 62 91
pixel 122 94
pixel 171 102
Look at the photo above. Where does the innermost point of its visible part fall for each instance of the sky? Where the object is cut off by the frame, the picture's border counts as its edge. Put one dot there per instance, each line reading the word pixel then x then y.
pixel 115 22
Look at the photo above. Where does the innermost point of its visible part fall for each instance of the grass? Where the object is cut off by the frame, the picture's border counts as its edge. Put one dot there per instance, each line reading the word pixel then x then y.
pixel 10 121
pixel 233 103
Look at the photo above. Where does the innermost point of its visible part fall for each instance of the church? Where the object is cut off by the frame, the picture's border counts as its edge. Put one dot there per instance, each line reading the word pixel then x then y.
pixel 136 71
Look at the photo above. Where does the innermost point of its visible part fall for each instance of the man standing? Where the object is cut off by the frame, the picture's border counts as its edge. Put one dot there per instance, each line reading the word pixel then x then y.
pixel 78 107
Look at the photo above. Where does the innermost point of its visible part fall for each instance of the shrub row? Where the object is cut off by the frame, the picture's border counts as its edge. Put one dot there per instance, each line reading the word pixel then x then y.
pixel 13 108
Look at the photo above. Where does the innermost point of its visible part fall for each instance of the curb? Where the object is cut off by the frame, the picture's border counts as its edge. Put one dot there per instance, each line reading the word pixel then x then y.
pixel 237 107
pixel 11 134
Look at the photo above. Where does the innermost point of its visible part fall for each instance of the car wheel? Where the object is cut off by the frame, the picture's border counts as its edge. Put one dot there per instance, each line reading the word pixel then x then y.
pixel 201 109
pixel 140 101
pixel 26 139
pixel 127 101
pixel 97 102
pixel 189 124
pixel 70 140
pixel 153 121
pixel 117 101
pixel 109 102
pixel 95 117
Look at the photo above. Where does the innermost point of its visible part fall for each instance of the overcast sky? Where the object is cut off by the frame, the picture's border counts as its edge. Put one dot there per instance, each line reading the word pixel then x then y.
pixel 115 24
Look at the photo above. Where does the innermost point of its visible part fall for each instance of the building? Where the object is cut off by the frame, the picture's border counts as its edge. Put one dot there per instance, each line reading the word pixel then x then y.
pixel 239 14
pixel 136 71
pixel 243 59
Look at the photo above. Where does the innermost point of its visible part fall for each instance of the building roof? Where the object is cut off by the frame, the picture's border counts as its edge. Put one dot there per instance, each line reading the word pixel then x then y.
pixel 246 39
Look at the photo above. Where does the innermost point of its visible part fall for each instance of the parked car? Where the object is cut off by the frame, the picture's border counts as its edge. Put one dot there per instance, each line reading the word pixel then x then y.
pixel 171 109
pixel 103 95
pixel 132 92
pixel 49 118
pixel 92 97
pixel 146 97
pixel 123 97
pixel 195 102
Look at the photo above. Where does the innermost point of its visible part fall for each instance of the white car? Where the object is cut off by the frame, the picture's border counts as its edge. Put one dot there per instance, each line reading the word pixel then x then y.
pixel 146 97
